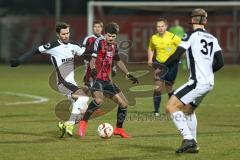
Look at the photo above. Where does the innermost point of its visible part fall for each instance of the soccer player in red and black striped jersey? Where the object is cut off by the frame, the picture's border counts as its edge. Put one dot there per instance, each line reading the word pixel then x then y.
pixel 105 52
pixel 88 44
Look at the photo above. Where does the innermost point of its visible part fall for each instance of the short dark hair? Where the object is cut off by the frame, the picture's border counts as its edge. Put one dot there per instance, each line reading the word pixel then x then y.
pixel 112 28
pixel 98 22
pixel 199 16
pixel 61 25
pixel 162 20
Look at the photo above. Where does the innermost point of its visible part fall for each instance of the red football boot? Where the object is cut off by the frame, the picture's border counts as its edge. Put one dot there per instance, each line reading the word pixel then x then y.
pixel 82 128
pixel 121 132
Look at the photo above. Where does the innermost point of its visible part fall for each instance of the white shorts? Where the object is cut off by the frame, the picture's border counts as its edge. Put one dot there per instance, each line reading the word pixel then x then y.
pixel 67 88
pixel 192 92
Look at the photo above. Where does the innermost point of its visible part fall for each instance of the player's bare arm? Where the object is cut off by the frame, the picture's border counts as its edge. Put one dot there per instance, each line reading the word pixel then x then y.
pixel 93 69
pixel 150 57
pixel 175 58
pixel 123 68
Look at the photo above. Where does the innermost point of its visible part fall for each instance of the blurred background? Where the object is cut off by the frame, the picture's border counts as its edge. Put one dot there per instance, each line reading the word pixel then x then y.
pixel 28 23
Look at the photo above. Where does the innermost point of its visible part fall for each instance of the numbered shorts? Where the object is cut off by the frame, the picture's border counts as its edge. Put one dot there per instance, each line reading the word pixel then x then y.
pixel 192 92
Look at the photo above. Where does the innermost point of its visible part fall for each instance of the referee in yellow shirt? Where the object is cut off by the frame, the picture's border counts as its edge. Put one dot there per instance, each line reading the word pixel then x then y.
pixel 163 44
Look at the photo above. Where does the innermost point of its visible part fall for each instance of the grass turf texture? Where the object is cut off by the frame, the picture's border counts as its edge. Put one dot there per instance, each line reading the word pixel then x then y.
pixel 29 131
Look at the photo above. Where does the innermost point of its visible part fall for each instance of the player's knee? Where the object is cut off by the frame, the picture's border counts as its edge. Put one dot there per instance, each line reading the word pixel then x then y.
pixel 98 100
pixel 171 109
pixel 169 88
pixel 188 109
pixel 127 103
pixel 168 109
pixel 79 92
pixel 172 105
pixel 124 105
pixel 85 89
pixel 83 99
pixel 157 89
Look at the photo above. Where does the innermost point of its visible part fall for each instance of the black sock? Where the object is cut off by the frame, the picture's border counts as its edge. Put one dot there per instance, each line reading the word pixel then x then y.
pixel 156 100
pixel 121 115
pixel 91 108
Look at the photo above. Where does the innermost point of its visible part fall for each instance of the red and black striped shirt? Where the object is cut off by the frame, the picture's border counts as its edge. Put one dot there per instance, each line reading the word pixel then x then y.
pixel 104 53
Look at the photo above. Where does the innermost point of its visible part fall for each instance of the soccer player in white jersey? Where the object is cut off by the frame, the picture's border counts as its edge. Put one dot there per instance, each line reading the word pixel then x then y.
pixel 204 58
pixel 62 54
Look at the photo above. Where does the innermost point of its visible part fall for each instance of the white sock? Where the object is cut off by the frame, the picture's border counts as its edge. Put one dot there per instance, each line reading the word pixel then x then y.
pixel 192 125
pixel 79 106
pixel 179 120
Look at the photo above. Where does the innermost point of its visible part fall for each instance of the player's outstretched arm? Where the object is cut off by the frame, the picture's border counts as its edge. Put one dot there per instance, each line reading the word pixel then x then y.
pixel 175 58
pixel 123 68
pixel 218 61
pixel 24 57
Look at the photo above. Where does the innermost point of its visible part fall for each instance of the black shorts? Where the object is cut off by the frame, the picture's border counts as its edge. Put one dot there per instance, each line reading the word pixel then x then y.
pixel 107 87
pixel 171 75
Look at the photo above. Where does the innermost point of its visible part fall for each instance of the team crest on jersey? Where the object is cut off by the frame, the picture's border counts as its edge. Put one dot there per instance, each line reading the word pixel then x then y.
pixel 168 49
pixel 185 36
pixel 72 52
pixel 109 53
pixel 48 45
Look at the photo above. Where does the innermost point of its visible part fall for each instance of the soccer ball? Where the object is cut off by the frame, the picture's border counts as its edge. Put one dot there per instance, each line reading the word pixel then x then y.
pixel 105 130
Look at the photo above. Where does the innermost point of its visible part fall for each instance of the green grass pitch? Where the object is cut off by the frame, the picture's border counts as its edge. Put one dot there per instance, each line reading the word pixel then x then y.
pixel 29 132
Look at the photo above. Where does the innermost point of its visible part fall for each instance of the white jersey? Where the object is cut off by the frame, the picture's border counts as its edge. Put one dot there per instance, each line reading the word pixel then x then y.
pixel 62 57
pixel 200 49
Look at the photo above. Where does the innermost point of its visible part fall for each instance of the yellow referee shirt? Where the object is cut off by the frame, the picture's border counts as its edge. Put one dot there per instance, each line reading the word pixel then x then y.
pixel 164 46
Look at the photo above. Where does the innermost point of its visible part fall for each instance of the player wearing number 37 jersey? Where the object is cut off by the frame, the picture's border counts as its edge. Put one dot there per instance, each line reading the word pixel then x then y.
pixel 204 57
